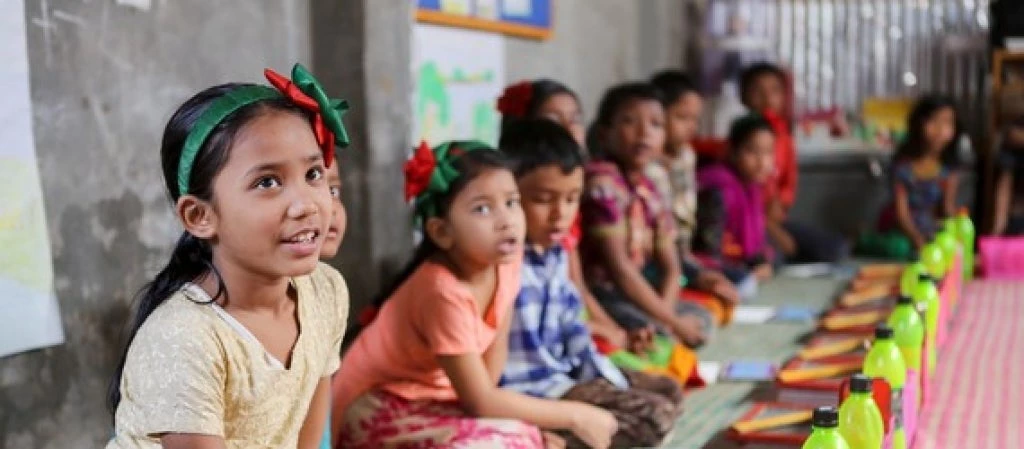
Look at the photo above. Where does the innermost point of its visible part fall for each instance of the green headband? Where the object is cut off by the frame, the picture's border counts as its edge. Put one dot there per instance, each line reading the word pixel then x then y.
pixel 218 110
pixel 430 173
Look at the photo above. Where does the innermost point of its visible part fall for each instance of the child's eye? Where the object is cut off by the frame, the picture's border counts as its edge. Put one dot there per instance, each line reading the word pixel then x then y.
pixel 336 192
pixel 482 209
pixel 512 203
pixel 267 182
pixel 315 173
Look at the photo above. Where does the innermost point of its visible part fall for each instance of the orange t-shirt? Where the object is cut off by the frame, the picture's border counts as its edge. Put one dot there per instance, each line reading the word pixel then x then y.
pixel 432 313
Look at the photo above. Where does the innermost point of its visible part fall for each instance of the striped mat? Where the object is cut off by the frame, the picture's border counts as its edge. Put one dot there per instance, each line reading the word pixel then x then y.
pixel 978 396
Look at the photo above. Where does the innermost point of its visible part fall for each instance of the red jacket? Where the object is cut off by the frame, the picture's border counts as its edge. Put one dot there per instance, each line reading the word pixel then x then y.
pixel 783 183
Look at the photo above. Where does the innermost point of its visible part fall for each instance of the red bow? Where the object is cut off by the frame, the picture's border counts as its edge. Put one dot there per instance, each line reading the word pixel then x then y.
pixel 418 171
pixel 515 100
pixel 324 136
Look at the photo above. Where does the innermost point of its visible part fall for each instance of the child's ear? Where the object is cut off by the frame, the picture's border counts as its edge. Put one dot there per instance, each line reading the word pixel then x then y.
pixel 197 217
pixel 439 232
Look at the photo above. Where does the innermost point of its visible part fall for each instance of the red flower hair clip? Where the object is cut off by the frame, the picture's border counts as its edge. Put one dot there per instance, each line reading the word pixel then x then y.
pixel 306 92
pixel 419 170
pixel 515 99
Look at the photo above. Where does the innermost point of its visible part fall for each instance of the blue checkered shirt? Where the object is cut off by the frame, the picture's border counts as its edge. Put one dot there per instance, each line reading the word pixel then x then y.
pixel 549 345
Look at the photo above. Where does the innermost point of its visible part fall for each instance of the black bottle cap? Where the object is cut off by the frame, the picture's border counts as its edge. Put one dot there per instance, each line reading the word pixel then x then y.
pixel 883 331
pixel 926 277
pixel 860 383
pixel 825 417
pixel 904 299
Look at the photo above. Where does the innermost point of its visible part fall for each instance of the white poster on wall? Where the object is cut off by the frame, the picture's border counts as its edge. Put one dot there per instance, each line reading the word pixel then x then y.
pixel 29 317
pixel 459 75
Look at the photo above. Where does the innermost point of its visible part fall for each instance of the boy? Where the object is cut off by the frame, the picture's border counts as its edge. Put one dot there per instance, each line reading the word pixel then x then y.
pixel 763 90
pixel 551 353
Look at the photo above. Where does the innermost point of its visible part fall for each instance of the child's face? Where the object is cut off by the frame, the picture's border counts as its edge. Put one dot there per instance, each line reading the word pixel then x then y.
pixel 484 225
pixel 271 204
pixel 939 129
pixel 767 93
pixel 637 133
pixel 755 160
pixel 564 110
pixel 683 116
pixel 339 219
pixel 551 200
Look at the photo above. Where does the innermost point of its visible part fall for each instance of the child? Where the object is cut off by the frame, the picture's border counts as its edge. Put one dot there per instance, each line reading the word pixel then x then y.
pixel 551 354
pixel 554 101
pixel 425 371
pixel 235 340
pixel 736 185
pixel 629 233
pixel 1009 201
pixel 763 89
pixel 674 173
pixel 339 219
pixel 924 178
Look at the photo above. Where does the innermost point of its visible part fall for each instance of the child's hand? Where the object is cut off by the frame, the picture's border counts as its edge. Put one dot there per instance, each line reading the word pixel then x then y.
pixel 689 329
pixel 615 335
pixel 640 340
pixel 552 440
pixel 764 272
pixel 716 283
pixel 594 426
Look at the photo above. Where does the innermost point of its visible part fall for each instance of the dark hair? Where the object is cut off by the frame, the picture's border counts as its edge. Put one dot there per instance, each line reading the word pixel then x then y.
pixel 754 72
pixel 535 142
pixel 614 99
pixel 744 128
pixel 541 91
pixel 470 165
pixel 192 258
pixel 673 85
pixel 914 146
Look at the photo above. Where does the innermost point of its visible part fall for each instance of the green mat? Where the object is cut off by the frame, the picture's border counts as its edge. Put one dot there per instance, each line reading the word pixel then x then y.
pixel 709 411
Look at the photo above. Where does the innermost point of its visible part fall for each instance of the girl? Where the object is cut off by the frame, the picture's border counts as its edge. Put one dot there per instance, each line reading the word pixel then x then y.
pixel 924 178
pixel 339 219
pixel 766 89
pixel 235 339
pixel 734 234
pixel 674 173
pixel 628 231
pixel 425 370
pixel 554 101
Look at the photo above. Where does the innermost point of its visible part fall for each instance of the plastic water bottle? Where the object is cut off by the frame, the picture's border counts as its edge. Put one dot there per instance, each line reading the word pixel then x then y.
pixel 950 247
pixel 885 361
pixel 965 233
pixel 910 277
pixel 934 260
pixel 926 299
pixel 860 421
pixel 825 430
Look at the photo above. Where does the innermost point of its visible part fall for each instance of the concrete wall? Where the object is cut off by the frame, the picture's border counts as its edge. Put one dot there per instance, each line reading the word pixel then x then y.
pixel 598 43
pixel 107 74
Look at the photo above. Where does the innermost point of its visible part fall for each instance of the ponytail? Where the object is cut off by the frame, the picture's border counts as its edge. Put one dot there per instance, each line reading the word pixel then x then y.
pixel 191 259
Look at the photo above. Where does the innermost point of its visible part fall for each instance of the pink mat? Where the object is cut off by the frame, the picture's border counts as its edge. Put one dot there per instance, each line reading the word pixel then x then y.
pixel 978 390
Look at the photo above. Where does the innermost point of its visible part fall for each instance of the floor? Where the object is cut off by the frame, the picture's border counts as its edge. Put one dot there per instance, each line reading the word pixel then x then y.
pixel 978 388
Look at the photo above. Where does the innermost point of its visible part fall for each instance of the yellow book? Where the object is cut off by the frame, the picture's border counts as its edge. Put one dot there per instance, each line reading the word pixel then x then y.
pixel 819 372
pixel 785 419
pixel 837 322
pixel 867 295
pixel 830 349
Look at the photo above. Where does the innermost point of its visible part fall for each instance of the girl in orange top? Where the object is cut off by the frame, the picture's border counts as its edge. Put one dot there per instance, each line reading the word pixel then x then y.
pixel 425 370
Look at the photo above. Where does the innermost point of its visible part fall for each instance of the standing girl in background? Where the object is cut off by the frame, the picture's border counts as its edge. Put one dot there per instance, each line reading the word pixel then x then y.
pixel 235 340
pixel 554 101
pixel 425 370
pixel 924 173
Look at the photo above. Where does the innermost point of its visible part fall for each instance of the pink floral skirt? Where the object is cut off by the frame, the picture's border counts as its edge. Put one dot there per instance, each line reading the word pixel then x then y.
pixel 382 420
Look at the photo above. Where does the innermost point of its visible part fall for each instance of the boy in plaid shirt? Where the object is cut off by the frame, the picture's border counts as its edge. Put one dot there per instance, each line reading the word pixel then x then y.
pixel 551 353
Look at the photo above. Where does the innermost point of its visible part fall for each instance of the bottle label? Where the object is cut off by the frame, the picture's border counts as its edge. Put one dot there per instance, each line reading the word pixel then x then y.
pixel 897 408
